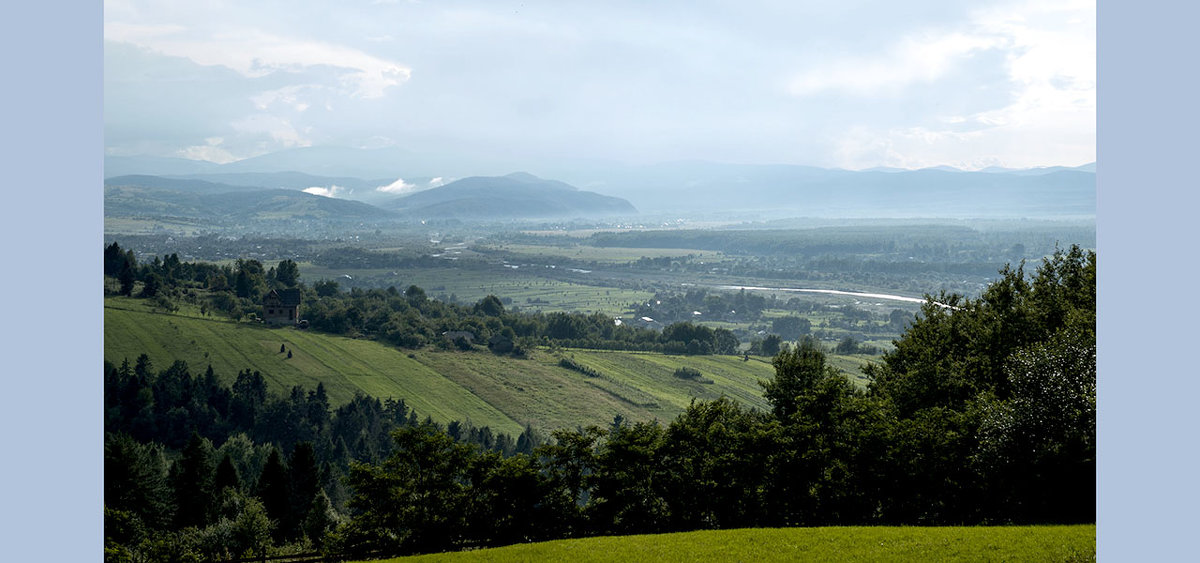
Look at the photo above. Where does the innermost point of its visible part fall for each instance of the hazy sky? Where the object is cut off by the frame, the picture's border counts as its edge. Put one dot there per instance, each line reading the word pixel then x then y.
pixel 849 84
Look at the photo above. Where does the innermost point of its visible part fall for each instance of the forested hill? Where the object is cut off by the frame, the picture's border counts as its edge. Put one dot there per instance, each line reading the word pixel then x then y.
pixel 513 196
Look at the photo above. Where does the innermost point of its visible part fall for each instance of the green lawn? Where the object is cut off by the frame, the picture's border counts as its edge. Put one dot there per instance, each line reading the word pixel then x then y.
pixel 1001 543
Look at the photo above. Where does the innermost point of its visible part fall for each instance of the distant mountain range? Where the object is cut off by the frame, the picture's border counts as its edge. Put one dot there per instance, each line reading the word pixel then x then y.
pixel 818 192
pixel 154 196
pixel 515 196
pixel 664 188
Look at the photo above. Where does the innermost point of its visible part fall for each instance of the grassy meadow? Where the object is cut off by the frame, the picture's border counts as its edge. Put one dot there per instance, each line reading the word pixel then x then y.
pixel 924 544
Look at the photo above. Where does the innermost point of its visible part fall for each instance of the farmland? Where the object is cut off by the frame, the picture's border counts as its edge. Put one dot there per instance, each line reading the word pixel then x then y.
pixel 502 392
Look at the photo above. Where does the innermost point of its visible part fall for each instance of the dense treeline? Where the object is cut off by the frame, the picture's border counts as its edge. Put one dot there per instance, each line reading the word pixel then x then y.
pixel 984 413
pixel 195 466
pixel 406 318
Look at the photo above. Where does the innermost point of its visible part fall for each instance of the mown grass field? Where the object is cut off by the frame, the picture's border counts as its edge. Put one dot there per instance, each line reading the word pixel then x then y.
pixel 1001 543
pixel 501 392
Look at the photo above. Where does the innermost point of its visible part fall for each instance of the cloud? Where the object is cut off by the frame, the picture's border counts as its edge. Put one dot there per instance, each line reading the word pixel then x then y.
pixel 921 58
pixel 437 182
pixel 288 97
pixel 1048 107
pixel 210 151
pixel 280 130
pixel 398 187
pixel 331 191
pixel 255 53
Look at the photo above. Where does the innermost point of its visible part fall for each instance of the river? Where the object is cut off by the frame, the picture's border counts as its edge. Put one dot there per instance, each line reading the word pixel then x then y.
pixel 884 296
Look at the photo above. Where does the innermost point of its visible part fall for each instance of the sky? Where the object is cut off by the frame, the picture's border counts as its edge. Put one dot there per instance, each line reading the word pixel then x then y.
pixel 852 84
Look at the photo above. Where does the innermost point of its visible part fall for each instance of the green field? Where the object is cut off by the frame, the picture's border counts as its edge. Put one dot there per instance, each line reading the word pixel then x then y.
pixel 614 255
pixel 1001 543
pixel 501 392
pixel 525 286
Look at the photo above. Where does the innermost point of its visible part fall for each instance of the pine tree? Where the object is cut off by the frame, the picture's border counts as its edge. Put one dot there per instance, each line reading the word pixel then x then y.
pixel 194 483
pixel 274 489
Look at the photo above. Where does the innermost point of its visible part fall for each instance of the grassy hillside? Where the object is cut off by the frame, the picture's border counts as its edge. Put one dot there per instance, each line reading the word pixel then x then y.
pixel 501 392
pixel 344 365
pixel 1008 543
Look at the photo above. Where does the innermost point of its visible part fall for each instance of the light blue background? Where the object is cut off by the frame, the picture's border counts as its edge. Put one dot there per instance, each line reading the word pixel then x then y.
pixel 51 143
pixel 51 148
pixel 1147 207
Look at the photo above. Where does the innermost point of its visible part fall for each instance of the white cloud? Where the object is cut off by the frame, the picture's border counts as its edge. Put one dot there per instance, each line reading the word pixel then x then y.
pixel 210 151
pixel 279 129
pixel 921 58
pixel 331 191
pixel 437 182
pixel 1048 114
pixel 398 187
pixel 288 96
pixel 255 53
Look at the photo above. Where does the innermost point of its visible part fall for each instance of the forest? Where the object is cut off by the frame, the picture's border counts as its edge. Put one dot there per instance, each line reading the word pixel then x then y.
pixel 984 412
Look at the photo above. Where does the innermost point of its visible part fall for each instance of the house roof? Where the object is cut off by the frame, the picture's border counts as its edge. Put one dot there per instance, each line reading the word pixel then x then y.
pixel 287 297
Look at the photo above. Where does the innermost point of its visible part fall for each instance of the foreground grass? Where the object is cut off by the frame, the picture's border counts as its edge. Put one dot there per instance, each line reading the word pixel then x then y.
pixel 1006 543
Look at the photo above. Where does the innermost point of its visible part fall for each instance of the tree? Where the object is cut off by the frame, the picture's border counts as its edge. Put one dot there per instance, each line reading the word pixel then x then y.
pixel 1004 381
pixel 771 345
pixel 226 476
pixel 791 327
pixel 326 288
pixel 127 277
pixel 320 518
pixel 490 306
pixel 275 490
pixel 797 372
pixel 135 480
pixel 1039 447
pixel 724 341
pixel 628 495
pixel 569 463
pixel 713 456
pixel 194 496
pixel 415 295
pixel 114 259
pixel 151 284
pixel 287 273
pixel 305 482
pixel 415 501
pixel 505 503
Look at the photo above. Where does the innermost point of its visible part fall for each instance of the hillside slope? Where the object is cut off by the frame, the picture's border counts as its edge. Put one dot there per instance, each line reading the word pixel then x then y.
pixel 501 392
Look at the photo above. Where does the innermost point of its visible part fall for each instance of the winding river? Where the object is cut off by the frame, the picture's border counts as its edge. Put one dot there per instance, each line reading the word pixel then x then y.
pixel 883 296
